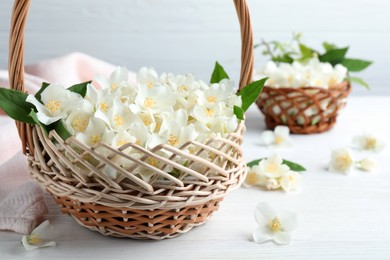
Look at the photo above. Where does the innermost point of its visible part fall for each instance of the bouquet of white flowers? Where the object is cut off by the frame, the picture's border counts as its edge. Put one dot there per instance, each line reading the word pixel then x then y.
pixel 306 88
pixel 149 160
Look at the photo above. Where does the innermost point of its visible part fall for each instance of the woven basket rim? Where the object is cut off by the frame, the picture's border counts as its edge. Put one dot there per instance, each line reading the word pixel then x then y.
pixel 338 86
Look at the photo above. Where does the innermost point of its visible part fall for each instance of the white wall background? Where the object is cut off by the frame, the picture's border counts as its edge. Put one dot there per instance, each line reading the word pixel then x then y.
pixel 183 36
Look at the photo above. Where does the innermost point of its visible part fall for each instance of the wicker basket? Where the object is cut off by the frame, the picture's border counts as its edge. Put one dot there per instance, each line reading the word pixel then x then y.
pixel 164 207
pixel 304 110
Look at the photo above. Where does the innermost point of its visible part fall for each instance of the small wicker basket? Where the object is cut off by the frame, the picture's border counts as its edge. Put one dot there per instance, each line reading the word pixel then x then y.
pixel 127 206
pixel 306 110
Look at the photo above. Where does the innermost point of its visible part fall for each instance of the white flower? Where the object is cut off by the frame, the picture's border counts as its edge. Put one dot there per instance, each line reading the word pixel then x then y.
pixel 118 117
pixel 255 177
pixel 57 101
pixel 368 142
pixel 272 184
pixel 279 137
pixel 273 166
pixel 297 74
pixel 118 79
pixel 147 77
pixel 95 133
pixel 39 237
pixel 291 181
pixel 341 160
pixel 154 100
pixel 273 226
pixel 367 164
pixel 216 93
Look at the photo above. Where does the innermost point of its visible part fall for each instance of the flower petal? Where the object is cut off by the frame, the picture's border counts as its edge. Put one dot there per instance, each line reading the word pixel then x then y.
pixel 264 213
pixel 282 131
pixel 30 247
pixel 289 220
pixel 261 234
pixel 282 238
pixel 268 137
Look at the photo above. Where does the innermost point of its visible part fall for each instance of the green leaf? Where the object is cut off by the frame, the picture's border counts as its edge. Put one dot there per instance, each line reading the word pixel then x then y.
pixel 254 162
pixel 334 56
pixel 43 87
pixel 359 81
pixel 329 46
pixel 293 166
pixel 286 58
pixel 239 112
pixel 355 64
pixel 61 130
pixel 250 93
pixel 219 74
pixel 306 52
pixel 14 104
pixel 80 88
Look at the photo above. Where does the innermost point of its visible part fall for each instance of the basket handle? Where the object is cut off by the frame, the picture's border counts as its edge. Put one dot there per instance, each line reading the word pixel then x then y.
pixel 16 55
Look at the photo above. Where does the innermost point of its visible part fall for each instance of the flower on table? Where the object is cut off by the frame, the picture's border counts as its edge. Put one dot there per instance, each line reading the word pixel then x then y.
pixel 39 237
pixel 291 181
pixel 274 226
pixel 368 142
pixel 280 137
pixel 273 173
pixel 341 160
pixel 367 164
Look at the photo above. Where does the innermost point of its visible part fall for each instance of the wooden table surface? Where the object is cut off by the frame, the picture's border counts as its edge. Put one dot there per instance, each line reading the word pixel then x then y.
pixel 340 216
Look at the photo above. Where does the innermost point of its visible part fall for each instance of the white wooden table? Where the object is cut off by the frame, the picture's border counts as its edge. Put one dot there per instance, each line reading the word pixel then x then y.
pixel 339 216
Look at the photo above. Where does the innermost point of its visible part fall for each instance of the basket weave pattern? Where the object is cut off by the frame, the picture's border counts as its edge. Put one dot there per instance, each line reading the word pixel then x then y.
pixel 127 206
pixel 304 110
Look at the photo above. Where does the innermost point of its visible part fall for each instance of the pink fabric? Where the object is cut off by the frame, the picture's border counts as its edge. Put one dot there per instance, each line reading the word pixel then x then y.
pixel 22 205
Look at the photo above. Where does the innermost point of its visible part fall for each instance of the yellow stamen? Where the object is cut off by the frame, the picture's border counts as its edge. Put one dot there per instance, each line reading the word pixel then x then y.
pixel 104 106
pixel 152 161
pixel 211 99
pixel 149 102
pixel 183 88
pixel 94 139
pixel 318 83
pixel 332 81
pixel 118 120
pixel 210 112
pixel 114 86
pixel 53 106
pixel 138 142
pixel 150 84
pixel 147 121
pixel 290 79
pixel 343 161
pixel 80 123
pixel 275 225
pixel 272 167
pixel 251 178
pixel 370 143
pixel 279 140
pixel 34 239
pixel 173 140
pixel 121 142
